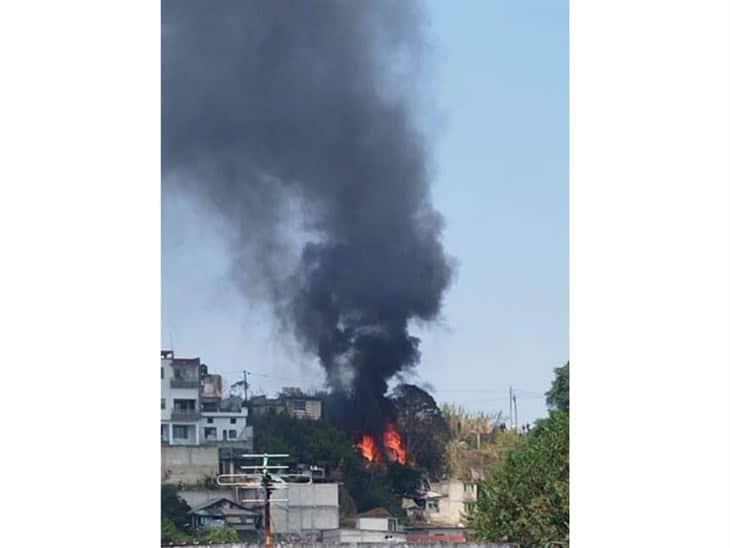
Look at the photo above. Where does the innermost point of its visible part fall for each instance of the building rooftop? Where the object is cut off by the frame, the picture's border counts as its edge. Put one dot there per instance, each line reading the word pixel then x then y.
pixel 378 512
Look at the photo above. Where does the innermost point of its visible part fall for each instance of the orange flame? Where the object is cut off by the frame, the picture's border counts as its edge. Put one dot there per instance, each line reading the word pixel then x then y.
pixel 368 447
pixel 394 442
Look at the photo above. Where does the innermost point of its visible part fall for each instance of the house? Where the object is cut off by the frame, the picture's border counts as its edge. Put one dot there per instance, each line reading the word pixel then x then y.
pixel 180 399
pixel 374 526
pixel 299 405
pixel 377 519
pixel 445 503
pixel 223 512
pixel 291 401
pixel 225 425
pixel 202 433
pixel 193 411
pixel 456 498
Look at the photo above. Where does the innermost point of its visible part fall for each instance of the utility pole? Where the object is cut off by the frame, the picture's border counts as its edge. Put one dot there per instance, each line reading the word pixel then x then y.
pixel 245 385
pixel 517 422
pixel 263 476
pixel 511 423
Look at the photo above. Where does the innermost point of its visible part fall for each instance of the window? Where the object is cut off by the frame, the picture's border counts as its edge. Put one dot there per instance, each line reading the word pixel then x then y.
pixel 163 403
pixel 162 372
pixel 210 420
pixel 179 432
pixel 233 421
pixel 184 405
pixel 299 405
pixel 392 525
pixel 232 434
pixel 210 433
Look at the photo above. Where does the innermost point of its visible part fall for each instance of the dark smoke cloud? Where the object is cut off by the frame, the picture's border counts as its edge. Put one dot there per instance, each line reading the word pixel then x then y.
pixel 274 111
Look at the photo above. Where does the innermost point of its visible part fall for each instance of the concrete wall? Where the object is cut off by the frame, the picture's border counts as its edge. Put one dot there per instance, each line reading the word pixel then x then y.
pixel 371 545
pixel 372 524
pixel 188 464
pixel 356 536
pixel 452 505
pixel 310 506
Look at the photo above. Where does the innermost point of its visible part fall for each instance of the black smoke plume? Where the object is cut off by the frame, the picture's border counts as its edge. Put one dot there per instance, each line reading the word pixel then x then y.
pixel 277 110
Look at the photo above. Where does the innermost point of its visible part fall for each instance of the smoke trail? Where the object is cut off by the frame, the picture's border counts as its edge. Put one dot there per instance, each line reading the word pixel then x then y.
pixel 279 110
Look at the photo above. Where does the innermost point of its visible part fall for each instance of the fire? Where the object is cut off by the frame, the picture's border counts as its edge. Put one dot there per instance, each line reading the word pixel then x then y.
pixel 392 442
pixel 368 447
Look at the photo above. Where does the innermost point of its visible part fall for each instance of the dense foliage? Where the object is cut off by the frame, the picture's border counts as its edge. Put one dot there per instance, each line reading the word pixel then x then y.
pixel 477 444
pixel 558 397
pixel 174 508
pixel 526 500
pixel 170 534
pixel 425 428
pixel 322 443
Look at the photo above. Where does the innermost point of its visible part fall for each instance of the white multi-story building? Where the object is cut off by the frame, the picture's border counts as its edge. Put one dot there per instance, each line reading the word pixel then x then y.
pixel 193 411
pixel 226 426
pixel 180 399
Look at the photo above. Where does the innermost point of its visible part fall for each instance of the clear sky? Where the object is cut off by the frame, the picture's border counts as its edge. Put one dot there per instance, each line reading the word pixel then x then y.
pixel 500 82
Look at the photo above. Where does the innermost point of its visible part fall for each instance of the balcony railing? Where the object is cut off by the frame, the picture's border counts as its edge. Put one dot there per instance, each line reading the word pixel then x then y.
pixel 184 416
pixel 177 383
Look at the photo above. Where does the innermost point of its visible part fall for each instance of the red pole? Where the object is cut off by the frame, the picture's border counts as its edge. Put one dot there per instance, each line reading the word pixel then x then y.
pixel 267 520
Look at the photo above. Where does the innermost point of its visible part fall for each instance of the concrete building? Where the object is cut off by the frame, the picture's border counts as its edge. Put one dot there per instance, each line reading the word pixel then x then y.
pixel 310 508
pixel 180 399
pixel 291 401
pixel 444 504
pixel 193 411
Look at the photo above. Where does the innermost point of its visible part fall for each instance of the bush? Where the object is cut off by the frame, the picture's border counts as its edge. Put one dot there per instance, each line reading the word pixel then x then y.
pixel 170 533
pixel 221 535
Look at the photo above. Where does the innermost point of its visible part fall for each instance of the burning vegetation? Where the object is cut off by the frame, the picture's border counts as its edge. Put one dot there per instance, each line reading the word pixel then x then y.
pixel 393 447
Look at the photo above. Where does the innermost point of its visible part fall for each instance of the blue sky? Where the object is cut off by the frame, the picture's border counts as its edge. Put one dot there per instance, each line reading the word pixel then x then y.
pixel 500 82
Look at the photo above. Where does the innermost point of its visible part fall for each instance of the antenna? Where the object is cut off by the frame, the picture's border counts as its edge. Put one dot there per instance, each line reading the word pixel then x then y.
pixel 260 478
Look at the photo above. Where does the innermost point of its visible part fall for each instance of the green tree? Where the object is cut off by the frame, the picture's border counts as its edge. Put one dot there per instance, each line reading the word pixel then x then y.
pixel 558 397
pixel 426 430
pixel 527 498
pixel 526 501
pixel 174 508
pixel 170 534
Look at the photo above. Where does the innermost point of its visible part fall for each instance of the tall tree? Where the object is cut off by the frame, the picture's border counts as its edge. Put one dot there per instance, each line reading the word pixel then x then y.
pixel 425 428
pixel 527 499
pixel 558 397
